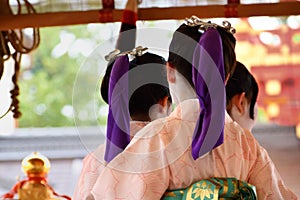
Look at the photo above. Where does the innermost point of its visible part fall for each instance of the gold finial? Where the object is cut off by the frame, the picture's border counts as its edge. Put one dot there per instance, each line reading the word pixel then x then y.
pixel 35 163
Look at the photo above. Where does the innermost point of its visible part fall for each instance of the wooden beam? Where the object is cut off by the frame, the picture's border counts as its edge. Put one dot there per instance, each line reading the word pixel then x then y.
pixel 54 19
pixel 106 15
pixel 214 11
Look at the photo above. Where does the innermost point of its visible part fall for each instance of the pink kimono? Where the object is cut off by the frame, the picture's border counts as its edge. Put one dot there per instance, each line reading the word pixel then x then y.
pixel 93 164
pixel 159 158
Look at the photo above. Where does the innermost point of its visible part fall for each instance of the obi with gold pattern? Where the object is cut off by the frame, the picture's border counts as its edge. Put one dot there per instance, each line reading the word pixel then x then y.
pixel 214 188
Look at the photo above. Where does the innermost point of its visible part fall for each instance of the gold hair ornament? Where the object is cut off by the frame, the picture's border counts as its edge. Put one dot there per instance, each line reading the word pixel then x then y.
pixel 203 26
pixel 137 51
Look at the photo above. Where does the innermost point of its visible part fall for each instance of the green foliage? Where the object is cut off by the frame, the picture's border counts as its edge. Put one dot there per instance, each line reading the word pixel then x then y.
pixel 46 88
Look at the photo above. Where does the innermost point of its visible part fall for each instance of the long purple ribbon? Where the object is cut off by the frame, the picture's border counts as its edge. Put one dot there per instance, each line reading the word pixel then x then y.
pixel 118 128
pixel 209 78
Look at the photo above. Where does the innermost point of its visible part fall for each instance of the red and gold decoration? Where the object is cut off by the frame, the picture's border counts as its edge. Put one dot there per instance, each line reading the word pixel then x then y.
pixel 35 187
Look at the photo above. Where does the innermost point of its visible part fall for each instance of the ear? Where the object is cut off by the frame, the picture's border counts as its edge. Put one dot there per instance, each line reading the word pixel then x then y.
pixel 239 101
pixel 171 73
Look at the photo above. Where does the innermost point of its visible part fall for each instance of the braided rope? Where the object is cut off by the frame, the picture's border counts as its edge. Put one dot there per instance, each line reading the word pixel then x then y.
pixel 15 38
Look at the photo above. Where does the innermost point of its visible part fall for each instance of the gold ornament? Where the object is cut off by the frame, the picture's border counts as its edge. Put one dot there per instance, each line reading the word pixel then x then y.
pixel 36 166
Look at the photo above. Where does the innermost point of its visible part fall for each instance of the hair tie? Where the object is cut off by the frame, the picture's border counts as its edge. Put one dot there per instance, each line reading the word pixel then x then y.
pixel 118 130
pixel 209 77
pixel 118 127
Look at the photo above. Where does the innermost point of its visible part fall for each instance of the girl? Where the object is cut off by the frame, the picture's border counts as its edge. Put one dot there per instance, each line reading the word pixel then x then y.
pixel 241 95
pixel 148 100
pixel 198 140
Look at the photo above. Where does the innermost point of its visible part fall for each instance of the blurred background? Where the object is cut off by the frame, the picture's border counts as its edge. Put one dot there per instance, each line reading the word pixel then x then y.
pixel 64 117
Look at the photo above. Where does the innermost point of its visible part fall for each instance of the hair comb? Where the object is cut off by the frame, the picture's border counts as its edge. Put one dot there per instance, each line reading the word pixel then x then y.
pixel 203 26
pixel 137 51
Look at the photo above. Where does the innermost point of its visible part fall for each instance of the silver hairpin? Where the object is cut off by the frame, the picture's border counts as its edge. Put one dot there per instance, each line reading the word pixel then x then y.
pixel 137 51
pixel 203 26
pixel 112 55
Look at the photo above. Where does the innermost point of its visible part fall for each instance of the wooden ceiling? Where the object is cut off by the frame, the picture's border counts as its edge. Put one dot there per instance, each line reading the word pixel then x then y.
pixel 71 12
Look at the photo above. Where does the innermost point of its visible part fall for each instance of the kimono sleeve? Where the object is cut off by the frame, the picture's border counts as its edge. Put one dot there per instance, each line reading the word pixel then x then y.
pixel 91 168
pixel 265 177
pixel 114 184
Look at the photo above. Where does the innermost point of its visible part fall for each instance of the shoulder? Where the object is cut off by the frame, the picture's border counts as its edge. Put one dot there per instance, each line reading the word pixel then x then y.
pixel 95 159
pixel 237 137
pixel 233 129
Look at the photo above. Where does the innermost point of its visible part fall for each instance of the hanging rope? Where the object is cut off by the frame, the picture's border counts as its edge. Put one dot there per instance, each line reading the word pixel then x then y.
pixel 14 40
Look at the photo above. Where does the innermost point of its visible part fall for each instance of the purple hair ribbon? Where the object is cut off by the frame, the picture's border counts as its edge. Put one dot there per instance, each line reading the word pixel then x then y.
pixel 118 128
pixel 209 81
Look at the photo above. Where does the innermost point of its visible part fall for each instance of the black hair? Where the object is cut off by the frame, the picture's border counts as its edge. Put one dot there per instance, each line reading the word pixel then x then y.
pixel 182 46
pixel 147 84
pixel 105 82
pixel 242 81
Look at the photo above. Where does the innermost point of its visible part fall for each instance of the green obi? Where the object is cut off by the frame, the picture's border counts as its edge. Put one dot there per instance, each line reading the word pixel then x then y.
pixel 214 188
